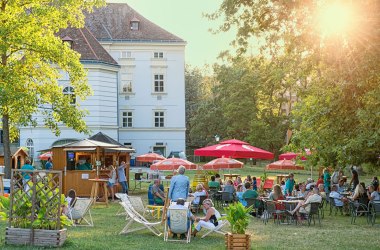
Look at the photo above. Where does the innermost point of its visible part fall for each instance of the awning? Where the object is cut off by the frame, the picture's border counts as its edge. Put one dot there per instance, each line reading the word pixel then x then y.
pixel 79 149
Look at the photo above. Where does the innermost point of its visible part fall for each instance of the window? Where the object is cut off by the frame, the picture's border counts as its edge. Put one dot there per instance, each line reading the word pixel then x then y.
pixel 159 119
pixel 158 83
pixel 135 25
pixel 127 87
pixel 30 146
pixel 158 54
pixel 70 91
pixel 127 119
pixel 126 54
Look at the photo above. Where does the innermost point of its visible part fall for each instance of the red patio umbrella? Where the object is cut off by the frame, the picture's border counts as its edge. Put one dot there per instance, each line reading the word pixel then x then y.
pixel 150 157
pixel 45 156
pixel 283 164
pixel 223 163
pixel 172 164
pixel 290 156
pixel 234 149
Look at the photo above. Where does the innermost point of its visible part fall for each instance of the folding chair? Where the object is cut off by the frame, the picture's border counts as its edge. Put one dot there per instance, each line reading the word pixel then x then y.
pixel 217 229
pixel 124 198
pixel 179 224
pixel 81 212
pixel 135 217
pixel 314 211
pixel 374 209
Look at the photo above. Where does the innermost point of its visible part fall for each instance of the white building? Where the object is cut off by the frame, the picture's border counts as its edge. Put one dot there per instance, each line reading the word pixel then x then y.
pixel 136 71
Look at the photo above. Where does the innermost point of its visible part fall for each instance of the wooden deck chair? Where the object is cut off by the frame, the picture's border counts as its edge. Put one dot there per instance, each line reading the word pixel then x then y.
pixel 217 229
pixel 135 217
pixel 123 198
pixel 179 224
pixel 80 212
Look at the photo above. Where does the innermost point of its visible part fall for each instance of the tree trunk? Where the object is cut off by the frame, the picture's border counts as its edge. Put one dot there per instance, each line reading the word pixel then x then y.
pixel 7 147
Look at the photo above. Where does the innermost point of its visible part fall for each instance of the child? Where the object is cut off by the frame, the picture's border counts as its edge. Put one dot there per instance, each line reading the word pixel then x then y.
pixel 112 181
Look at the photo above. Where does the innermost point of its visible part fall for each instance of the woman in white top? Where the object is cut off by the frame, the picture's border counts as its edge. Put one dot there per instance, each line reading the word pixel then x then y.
pixel 210 221
pixel 112 181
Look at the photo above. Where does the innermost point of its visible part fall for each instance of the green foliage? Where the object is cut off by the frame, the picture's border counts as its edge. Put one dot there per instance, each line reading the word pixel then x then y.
pixel 4 207
pixel 238 216
pixel 334 76
pixel 33 58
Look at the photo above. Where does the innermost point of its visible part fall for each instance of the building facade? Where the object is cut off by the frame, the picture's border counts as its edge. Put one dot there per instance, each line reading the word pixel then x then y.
pixel 136 71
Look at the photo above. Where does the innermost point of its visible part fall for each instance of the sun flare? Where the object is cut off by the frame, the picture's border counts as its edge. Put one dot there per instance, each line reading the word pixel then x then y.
pixel 335 18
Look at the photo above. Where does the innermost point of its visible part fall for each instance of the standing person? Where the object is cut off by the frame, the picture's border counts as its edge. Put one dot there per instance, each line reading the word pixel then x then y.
pixel 375 183
pixel 326 181
pixel 49 164
pixel 335 177
pixel 355 178
pixel 179 185
pixel 111 181
pixel 26 176
pixel 122 178
pixel 289 185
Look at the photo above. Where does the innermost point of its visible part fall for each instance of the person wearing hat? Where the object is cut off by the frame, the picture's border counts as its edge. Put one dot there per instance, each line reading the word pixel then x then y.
pixel 179 185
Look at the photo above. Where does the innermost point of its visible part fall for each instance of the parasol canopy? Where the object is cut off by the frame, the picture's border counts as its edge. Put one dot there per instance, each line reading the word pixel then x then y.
pixel 172 164
pixel 283 164
pixel 290 156
pixel 150 157
pixel 45 156
pixel 234 149
pixel 223 163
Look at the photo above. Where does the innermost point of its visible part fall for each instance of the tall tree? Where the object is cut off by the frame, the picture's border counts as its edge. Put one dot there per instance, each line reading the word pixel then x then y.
pixel 32 57
pixel 333 47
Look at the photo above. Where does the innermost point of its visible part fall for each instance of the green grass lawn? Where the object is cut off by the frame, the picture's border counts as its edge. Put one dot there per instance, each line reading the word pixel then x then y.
pixel 336 232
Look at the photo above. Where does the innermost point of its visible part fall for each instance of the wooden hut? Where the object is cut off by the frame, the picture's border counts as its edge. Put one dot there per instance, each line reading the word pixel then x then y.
pixel 88 159
pixel 19 156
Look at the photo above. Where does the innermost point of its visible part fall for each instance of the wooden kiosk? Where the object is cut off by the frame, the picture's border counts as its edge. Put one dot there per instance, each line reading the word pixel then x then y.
pixel 18 158
pixel 88 159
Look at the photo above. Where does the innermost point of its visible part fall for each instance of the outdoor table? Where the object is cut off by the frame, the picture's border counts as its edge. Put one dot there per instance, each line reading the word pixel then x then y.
pixel 345 194
pixel 230 176
pixel 96 184
pixel 138 183
pixel 1 184
pixel 291 203
pixel 155 210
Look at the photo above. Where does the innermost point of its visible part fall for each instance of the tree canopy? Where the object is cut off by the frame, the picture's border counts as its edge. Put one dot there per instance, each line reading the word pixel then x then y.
pixel 32 60
pixel 327 54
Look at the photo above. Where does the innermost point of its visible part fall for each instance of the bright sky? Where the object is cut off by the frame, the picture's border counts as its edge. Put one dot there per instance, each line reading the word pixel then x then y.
pixel 184 19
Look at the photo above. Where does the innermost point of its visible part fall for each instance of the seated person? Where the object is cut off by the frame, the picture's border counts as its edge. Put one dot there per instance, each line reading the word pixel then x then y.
pixel 213 183
pixel 310 182
pixel 304 206
pixel 282 186
pixel 248 179
pixel 158 194
pixel 210 221
pixel 218 179
pixel 341 188
pixel 319 181
pixel 322 192
pixel 296 190
pixel 338 199
pixel 237 181
pixel 69 202
pixel 276 195
pixel 198 192
pixel 229 187
pixel 180 204
pixel 239 195
pixel 372 194
pixel 249 193
pixel 360 195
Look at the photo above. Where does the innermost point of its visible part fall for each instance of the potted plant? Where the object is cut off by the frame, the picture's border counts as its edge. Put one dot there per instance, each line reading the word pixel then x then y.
pixel 34 211
pixel 238 216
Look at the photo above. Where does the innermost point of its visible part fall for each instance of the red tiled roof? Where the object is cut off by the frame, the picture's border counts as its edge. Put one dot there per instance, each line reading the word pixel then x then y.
pixel 86 44
pixel 113 23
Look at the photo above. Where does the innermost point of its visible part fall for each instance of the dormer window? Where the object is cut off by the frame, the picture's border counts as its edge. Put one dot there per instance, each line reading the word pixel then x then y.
pixel 135 24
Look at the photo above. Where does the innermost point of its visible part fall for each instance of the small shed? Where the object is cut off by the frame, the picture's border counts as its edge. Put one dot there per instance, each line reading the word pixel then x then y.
pixel 19 156
pixel 87 159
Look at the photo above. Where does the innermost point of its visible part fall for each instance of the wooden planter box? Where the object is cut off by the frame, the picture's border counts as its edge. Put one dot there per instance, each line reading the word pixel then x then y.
pixel 237 241
pixel 46 238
